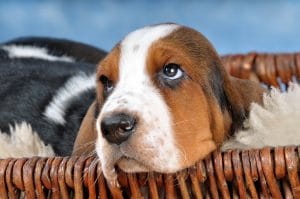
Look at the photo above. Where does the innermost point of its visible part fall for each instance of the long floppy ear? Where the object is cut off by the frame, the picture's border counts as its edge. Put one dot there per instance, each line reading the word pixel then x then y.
pixel 87 135
pixel 233 95
pixel 240 94
pixel 249 91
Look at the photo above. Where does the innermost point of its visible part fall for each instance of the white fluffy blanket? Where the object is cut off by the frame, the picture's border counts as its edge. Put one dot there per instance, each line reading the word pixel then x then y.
pixel 275 124
pixel 23 142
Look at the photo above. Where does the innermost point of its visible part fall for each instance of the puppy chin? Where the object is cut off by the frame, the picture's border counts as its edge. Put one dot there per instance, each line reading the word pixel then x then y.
pixel 130 165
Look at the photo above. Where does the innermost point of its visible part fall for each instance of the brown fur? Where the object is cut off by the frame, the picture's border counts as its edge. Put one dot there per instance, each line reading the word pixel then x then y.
pixel 109 68
pixel 87 135
pixel 200 124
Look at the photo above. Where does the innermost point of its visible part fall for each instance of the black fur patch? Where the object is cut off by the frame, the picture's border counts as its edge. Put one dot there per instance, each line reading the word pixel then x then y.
pixel 3 54
pixel 27 86
pixel 216 81
pixel 59 47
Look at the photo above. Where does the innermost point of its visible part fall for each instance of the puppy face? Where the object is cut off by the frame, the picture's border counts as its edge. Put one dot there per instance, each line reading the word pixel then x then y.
pixel 169 81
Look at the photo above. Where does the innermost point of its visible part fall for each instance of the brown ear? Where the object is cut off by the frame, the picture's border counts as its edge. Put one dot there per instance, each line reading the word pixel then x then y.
pixel 87 135
pixel 233 95
pixel 240 94
pixel 249 91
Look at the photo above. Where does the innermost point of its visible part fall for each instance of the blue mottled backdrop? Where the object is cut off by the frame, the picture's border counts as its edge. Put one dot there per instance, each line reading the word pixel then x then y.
pixel 232 26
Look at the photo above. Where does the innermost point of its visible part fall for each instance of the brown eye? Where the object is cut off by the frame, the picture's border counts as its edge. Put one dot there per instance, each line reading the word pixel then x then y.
pixel 171 75
pixel 107 85
pixel 172 71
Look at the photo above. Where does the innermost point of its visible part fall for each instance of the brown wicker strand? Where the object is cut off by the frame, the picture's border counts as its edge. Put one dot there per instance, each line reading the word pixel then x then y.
pixel 187 183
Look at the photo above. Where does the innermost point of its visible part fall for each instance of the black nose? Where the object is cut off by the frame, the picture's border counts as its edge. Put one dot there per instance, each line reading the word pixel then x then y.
pixel 118 127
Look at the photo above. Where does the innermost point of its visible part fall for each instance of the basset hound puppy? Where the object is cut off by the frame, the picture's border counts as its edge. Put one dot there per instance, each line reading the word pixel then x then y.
pixel 163 102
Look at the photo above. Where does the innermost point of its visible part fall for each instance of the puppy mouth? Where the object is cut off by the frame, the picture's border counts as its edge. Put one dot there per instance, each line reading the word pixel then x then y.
pixel 131 165
pixel 130 161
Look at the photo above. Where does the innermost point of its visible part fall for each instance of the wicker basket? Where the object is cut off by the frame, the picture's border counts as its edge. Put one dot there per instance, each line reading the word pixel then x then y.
pixel 265 173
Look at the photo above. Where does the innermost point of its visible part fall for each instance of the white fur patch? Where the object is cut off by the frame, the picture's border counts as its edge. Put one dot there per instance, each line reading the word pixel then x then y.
pixel 19 51
pixel 72 88
pixel 23 142
pixel 275 124
pixel 152 145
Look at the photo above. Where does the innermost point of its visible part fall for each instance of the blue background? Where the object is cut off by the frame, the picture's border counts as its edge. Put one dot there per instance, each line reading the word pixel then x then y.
pixel 232 26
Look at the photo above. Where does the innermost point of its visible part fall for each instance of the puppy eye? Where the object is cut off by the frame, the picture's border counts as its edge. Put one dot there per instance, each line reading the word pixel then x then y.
pixel 171 75
pixel 107 85
pixel 172 71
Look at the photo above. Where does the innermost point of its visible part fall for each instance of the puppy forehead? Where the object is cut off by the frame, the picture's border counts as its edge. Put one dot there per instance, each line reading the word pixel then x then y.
pixel 144 37
pixel 135 46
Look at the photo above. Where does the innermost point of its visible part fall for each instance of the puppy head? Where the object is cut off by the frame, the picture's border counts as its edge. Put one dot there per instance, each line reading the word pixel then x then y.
pixel 164 101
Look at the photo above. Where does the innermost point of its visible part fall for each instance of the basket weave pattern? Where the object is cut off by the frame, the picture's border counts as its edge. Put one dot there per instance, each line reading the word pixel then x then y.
pixel 267 173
